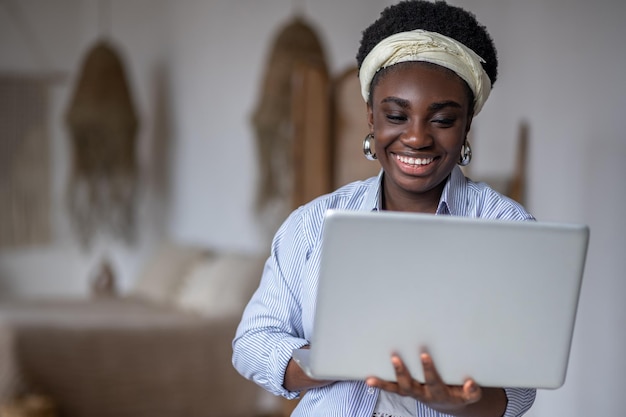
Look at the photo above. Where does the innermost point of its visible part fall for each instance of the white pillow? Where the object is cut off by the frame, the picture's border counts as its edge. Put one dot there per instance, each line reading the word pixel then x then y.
pixel 163 275
pixel 221 286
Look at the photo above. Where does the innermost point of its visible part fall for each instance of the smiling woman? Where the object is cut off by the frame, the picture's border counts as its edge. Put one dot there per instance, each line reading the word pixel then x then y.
pixel 426 70
pixel 419 116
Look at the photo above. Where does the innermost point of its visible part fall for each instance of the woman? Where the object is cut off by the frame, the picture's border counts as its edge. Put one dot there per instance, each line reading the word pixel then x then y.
pixel 426 70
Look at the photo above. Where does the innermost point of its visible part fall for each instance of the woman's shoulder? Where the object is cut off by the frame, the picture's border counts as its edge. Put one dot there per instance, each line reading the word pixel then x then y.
pixel 486 202
pixel 351 196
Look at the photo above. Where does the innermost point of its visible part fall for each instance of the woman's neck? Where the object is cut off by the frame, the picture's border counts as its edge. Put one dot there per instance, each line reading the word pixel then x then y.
pixel 397 200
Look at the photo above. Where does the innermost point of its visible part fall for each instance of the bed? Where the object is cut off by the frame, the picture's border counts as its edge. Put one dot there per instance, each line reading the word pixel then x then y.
pixel 162 350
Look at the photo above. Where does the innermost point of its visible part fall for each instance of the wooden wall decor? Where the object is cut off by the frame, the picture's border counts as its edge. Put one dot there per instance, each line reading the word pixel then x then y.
pixel 349 130
pixel 312 147
pixel 517 185
pixel 513 184
pixel 25 177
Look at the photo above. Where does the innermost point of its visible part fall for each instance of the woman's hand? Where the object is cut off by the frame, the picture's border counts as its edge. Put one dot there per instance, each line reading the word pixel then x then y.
pixel 296 380
pixel 466 400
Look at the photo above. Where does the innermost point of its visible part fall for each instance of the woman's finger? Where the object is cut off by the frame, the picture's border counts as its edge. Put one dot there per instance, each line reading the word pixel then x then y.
pixel 435 385
pixel 471 391
pixel 406 384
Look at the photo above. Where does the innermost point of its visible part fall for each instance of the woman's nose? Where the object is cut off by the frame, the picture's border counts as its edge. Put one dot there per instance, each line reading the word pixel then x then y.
pixel 417 136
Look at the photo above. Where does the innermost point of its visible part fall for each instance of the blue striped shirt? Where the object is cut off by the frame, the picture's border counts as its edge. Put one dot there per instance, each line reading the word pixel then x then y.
pixel 279 317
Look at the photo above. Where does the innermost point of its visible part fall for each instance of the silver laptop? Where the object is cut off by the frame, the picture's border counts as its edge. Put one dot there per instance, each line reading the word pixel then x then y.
pixel 491 299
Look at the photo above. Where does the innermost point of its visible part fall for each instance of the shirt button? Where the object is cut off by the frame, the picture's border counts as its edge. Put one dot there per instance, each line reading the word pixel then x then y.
pixel 370 390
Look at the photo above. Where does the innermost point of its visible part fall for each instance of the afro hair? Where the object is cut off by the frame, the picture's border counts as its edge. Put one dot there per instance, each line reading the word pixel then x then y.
pixel 439 17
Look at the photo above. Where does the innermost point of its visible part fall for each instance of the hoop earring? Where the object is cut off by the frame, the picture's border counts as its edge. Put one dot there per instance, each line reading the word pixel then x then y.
pixel 368 149
pixel 466 154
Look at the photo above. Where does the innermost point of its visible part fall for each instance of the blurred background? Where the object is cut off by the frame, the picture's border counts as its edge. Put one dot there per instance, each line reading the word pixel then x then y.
pixel 195 70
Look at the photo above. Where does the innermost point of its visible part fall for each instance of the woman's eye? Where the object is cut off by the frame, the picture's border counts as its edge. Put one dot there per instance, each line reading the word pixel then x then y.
pixel 444 121
pixel 396 117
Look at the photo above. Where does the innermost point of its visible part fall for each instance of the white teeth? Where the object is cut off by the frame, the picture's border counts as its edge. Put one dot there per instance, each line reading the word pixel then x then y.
pixel 414 161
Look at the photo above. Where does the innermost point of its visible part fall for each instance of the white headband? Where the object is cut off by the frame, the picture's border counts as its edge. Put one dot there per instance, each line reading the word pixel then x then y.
pixel 421 45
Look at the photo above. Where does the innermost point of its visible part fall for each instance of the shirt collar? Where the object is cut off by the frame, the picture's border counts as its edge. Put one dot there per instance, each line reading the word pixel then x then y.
pixel 373 196
pixel 453 199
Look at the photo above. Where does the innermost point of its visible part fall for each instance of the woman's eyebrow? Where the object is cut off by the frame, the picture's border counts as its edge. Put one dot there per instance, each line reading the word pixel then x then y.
pixel 443 104
pixel 405 104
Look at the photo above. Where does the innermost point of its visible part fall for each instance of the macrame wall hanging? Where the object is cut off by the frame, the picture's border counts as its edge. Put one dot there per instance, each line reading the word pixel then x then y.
pixel 295 52
pixel 103 124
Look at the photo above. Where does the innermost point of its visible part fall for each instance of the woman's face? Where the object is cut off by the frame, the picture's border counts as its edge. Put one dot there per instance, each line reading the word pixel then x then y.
pixel 420 116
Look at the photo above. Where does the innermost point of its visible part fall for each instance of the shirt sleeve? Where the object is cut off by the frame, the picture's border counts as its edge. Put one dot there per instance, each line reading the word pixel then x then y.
pixel 271 326
pixel 519 400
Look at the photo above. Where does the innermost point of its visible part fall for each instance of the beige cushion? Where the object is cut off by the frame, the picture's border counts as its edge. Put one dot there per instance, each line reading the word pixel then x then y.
pixel 163 275
pixel 221 286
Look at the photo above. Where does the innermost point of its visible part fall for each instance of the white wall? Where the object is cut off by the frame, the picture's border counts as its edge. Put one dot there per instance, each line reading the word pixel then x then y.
pixel 561 66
